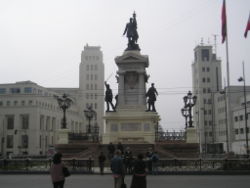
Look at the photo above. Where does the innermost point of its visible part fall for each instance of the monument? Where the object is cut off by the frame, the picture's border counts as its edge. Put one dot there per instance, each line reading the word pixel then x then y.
pixel 130 121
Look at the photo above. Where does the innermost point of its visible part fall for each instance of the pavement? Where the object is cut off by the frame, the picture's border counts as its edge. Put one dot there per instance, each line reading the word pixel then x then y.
pixel 106 181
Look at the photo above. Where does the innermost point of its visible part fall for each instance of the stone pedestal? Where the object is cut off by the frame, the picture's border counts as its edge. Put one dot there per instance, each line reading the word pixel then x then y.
pixel 62 136
pixel 191 135
pixel 130 126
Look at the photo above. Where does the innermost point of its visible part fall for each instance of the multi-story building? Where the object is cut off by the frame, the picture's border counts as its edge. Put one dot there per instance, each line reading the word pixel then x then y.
pixel 30 115
pixel 218 114
pixel 29 118
pixel 232 133
pixel 206 73
pixel 91 83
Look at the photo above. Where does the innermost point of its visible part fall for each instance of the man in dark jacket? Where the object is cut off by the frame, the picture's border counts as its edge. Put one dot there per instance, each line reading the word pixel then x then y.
pixel 117 169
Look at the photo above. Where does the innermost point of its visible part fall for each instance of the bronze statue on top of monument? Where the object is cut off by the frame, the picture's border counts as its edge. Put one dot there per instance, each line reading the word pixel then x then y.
pixel 132 34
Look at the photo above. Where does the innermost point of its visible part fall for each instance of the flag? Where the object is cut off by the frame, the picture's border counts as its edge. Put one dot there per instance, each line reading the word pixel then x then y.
pixel 248 27
pixel 224 22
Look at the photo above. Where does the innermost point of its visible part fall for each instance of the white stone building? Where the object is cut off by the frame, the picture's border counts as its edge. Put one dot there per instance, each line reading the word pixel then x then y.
pixel 220 126
pixel 206 73
pixel 30 115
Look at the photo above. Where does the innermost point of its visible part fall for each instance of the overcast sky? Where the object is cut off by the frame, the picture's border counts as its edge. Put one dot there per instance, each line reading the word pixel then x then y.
pixel 42 40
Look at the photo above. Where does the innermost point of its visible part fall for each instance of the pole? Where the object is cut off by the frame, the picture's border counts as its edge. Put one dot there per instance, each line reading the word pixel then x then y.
pixel 228 82
pixel 245 105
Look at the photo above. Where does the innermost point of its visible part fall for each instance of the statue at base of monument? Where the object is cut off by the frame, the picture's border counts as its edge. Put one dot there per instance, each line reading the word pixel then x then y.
pixel 109 98
pixel 151 94
pixel 132 34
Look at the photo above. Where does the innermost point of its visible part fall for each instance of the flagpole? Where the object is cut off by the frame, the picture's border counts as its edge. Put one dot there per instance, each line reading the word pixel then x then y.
pixel 228 87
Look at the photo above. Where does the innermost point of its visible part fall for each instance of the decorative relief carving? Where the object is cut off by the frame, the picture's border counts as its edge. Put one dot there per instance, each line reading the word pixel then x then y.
pixel 131 79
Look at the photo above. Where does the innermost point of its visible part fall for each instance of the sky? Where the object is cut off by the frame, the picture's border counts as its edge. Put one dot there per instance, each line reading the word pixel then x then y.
pixel 42 40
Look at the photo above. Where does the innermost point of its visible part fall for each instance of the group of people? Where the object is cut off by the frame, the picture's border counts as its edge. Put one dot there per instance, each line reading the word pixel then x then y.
pixel 121 163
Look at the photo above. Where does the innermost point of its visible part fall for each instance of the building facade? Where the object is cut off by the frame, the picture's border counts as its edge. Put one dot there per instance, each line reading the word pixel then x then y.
pixel 219 113
pixel 206 76
pixel 29 118
pixel 30 115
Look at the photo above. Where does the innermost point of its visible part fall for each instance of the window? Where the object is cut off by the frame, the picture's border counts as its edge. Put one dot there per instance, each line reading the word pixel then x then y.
pixel 241 131
pixel 8 103
pixel 236 118
pixel 96 77
pixel 95 105
pixel 2 90
pixel 87 86
pixel 24 121
pixel 10 140
pixel 203 80
pixel 96 67
pixel 236 131
pixel 1 103
pixel 208 80
pixel 87 76
pixel 204 90
pixel 15 103
pixel 241 117
pixel 87 96
pixel 203 69
pixel 23 103
pixel 15 90
pixel 205 55
pixel 208 90
pixel 27 90
pixel 208 69
pixel 25 141
pixel 10 121
pixel 41 122
pixel 87 67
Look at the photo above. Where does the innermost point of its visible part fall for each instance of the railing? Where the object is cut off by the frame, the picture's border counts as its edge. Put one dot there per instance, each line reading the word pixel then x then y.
pixel 163 166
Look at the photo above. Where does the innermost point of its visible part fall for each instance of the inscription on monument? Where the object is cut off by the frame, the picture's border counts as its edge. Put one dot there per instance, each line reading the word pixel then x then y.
pixel 131 126
pixel 114 128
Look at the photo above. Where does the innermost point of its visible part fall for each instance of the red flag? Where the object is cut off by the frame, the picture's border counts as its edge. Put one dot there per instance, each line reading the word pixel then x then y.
pixel 248 27
pixel 224 22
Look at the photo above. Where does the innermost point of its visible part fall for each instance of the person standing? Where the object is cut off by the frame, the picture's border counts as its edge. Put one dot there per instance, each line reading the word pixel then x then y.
pixel 111 150
pixel 155 159
pixel 120 147
pixel 117 169
pixel 56 171
pixel 139 173
pixel 101 160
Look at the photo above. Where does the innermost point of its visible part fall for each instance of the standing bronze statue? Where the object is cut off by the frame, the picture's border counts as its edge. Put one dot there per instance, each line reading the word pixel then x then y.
pixel 151 94
pixel 109 97
pixel 132 34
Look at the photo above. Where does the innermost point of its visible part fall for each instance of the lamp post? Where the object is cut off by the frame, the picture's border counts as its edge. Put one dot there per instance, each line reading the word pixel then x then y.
pixel 243 79
pixel 184 112
pixel 64 103
pixel 189 102
pixel 89 114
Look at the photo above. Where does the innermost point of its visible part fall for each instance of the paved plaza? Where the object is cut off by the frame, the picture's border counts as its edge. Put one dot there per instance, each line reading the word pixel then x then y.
pixel 96 181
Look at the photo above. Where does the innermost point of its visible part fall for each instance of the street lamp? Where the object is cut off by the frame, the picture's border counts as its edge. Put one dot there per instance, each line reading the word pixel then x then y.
pixel 64 103
pixel 184 112
pixel 243 79
pixel 89 114
pixel 189 102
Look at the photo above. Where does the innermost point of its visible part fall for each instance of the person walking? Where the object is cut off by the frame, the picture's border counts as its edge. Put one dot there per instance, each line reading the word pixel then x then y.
pixel 139 173
pixel 117 169
pixel 101 160
pixel 56 171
